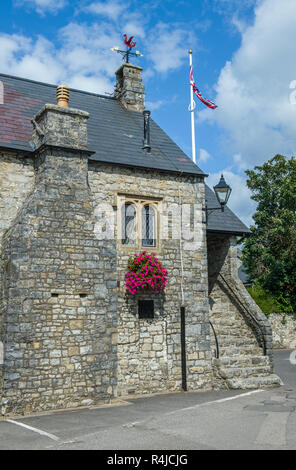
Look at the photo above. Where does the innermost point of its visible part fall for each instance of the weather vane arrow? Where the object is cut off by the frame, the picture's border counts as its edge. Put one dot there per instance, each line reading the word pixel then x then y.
pixel 130 44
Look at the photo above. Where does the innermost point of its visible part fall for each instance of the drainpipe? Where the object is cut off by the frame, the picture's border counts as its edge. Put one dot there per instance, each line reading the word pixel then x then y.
pixel 183 350
pixel 182 313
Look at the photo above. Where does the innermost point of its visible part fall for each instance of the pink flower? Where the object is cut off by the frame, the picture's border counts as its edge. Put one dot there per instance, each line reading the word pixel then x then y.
pixel 145 271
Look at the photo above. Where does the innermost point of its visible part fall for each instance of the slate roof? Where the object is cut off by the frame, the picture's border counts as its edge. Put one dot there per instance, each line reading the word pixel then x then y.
pixel 114 134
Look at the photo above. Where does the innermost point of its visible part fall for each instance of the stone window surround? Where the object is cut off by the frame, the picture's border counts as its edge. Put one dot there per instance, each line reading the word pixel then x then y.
pixel 139 202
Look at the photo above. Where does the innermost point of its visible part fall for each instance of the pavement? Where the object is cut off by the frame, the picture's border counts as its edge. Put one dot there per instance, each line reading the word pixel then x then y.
pixel 225 420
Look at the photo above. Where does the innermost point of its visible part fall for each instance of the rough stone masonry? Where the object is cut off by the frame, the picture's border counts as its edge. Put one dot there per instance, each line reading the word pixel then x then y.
pixel 69 334
pixel 57 326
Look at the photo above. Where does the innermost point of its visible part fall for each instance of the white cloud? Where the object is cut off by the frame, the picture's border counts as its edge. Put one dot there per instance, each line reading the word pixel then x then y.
pixel 111 9
pixel 228 7
pixel 127 21
pixel 152 106
pixel 173 43
pixel 80 54
pixel 240 25
pixel 22 57
pixel 253 94
pixel 86 49
pixel 240 201
pixel 77 62
pixel 42 6
pixel 238 161
pixel 204 156
pixel 134 28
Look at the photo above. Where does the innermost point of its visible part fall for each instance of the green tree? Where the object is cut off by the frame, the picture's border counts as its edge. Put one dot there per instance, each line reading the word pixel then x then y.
pixel 269 254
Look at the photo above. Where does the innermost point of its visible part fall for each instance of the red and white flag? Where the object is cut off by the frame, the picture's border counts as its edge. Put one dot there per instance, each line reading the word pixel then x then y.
pixel 208 103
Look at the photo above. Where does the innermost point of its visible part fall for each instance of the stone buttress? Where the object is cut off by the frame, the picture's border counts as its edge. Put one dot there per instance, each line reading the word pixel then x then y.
pixel 58 298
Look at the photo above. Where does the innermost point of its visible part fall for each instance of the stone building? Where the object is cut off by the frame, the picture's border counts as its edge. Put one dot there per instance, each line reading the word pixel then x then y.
pixel 73 179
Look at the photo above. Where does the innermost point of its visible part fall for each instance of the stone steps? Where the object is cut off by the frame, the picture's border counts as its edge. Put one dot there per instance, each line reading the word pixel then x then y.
pixel 271 380
pixel 240 338
pixel 248 361
pixel 228 335
pixel 234 323
pixel 244 372
pixel 240 350
pixel 236 341
pixel 229 322
pixel 227 331
pixel 241 364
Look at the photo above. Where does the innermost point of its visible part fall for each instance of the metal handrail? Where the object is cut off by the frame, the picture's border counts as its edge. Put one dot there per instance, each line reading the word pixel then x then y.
pixel 216 340
pixel 248 312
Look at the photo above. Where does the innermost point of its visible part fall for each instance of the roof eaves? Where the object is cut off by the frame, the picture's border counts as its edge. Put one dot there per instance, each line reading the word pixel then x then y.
pixel 143 167
pixel 238 233
pixel 25 153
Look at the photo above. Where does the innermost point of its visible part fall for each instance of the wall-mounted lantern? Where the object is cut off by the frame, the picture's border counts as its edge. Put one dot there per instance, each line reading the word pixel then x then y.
pixel 222 191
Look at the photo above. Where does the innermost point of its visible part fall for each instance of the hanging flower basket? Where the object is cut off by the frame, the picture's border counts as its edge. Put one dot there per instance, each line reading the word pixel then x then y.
pixel 145 273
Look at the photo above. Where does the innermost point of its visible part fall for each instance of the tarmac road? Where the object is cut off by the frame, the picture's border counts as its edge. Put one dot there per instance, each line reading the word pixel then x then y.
pixel 234 419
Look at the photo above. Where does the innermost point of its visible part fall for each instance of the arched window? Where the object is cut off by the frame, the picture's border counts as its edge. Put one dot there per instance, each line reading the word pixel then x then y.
pixel 148 226
pixel 129 234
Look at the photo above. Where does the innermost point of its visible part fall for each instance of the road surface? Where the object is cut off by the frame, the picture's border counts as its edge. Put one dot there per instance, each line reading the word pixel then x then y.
pixel 234 419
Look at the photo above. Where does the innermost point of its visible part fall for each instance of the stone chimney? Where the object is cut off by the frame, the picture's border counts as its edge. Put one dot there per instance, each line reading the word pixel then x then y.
pixel 59 310
pixel 60 126
pixel 129 87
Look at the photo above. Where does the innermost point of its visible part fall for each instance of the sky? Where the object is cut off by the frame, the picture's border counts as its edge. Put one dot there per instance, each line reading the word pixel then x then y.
pixel 243 60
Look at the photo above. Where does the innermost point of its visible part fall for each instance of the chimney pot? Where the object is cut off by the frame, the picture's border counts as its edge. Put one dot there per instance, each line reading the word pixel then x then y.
pixel 63 95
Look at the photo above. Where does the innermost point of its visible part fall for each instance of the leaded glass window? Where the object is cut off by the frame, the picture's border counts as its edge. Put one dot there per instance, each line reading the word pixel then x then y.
pixel 129 234
pixel 148 226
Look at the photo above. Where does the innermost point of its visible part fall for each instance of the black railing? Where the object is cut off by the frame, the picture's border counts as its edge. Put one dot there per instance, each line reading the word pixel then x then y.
pixel 216 340
pixel 249 314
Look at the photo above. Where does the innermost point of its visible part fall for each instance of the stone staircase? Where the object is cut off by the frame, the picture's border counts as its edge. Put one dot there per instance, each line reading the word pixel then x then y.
pixel 241 363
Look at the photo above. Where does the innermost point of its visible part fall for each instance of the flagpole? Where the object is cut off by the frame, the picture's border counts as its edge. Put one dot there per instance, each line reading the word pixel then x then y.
pixel 192 106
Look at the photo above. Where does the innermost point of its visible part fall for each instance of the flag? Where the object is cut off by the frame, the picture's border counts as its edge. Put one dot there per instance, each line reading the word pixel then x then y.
pixel 208 103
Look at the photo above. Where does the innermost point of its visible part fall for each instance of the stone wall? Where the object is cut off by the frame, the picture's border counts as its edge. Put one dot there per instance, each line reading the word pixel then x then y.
pixel 283 330
pixel 60 291
pixel 58 298
pixel 60 285
pixel 1 332
pixel 149 351
pixel 17 181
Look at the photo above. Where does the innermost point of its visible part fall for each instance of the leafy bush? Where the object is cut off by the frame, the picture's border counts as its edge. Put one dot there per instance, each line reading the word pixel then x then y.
pixel 267 302
pixel 269 254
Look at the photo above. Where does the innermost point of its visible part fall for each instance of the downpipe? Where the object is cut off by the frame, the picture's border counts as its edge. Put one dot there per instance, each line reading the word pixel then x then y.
pixel 183 350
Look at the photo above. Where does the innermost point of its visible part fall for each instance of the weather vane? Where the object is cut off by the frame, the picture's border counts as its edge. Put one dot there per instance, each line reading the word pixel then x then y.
pixel 129 46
